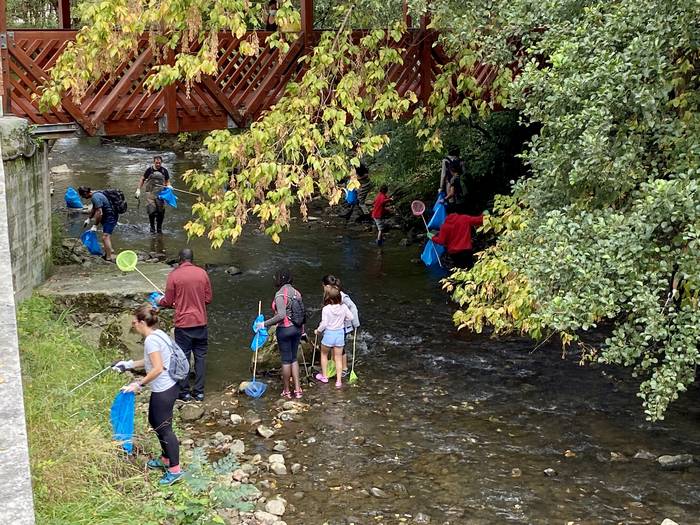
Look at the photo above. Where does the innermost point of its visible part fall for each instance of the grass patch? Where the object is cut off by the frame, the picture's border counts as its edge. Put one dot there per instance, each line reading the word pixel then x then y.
pixel 79 475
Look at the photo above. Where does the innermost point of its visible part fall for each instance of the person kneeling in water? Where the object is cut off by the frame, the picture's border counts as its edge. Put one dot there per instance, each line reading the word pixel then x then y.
pixel 164 390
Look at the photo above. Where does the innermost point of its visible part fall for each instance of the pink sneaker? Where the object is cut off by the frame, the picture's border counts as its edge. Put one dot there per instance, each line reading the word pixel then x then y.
pixel 338 384
pixel 298 393
pixel 287 394
pixel 320 377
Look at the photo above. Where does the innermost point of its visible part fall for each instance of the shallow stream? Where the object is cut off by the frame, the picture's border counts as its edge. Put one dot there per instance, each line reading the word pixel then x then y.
pixel 440 419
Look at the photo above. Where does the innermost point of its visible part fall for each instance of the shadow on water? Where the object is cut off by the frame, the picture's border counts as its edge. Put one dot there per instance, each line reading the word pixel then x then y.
pixel 440 419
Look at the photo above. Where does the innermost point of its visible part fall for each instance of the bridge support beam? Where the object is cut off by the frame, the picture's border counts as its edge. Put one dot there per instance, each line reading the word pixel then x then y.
pixel 307 22
pixel 64 14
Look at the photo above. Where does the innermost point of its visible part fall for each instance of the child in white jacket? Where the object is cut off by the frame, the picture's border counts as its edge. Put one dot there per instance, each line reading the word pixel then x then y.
pixel 334 316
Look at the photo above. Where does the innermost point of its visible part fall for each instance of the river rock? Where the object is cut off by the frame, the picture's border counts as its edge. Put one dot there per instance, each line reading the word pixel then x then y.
pixel 239 474
pixel 421 518
pixel 265 432
pixel 645 454
pixel 252 418
pixel 279 469
pixel 677 462
pixel 550 472
pixel 288 415
pixel 191 412
pixel 280 446
pixel 236 419
pixel 294 405
pixel 668 521
pixel 617 456
pixel 233 270
pixel 276 506
pixel 237 447
pixel 61 169
pixel 276 458
pixel 243 386
pixel 516 473
pixel 378 493
pixel 296 468
pixel 265 518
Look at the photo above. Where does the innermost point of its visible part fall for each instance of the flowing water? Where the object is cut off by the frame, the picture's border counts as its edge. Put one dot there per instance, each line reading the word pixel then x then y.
pixel 440 418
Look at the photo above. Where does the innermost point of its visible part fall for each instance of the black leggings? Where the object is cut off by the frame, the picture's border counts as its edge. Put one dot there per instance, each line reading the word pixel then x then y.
pixel 160 417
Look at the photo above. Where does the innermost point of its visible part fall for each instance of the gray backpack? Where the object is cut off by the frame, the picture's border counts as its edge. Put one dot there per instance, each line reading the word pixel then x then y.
pixel 179 364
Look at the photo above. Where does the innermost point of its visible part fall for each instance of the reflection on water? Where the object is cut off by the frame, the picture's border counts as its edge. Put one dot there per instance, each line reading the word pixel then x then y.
pixel 440 419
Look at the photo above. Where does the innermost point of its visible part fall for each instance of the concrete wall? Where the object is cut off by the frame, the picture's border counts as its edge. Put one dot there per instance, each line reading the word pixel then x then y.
pixel 27 192
pixel 17 505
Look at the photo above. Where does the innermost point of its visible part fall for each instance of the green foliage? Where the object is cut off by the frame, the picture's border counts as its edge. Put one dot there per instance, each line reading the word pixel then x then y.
pixel 31 14
pixel 207 488
pixel 78 474
pixel 610 216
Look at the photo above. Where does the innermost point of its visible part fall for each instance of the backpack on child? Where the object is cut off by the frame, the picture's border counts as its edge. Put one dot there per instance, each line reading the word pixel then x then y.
pixel 296 312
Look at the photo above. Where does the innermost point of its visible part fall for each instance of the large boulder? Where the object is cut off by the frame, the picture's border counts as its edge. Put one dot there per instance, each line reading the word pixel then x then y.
pixel 269 355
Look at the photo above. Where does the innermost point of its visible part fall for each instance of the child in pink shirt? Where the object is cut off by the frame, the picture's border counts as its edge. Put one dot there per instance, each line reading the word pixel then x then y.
pixel 333 318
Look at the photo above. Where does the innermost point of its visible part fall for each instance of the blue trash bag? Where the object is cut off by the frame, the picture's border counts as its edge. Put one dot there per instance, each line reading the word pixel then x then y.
pixel 431 253
pixel 440 200
pixel 351 196
pixel 122 416
pixel 438 217
pixel 168 195
pixel 154 298
pixel 260 335
pixel 89 240
pixel 73 199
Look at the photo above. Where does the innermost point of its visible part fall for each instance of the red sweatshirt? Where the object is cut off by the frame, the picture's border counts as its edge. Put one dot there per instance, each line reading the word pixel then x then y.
pixel 456 232
pixel 188 290
pixel 379 207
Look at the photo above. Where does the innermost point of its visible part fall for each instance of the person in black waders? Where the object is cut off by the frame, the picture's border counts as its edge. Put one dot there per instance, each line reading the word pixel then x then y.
pixel 155 178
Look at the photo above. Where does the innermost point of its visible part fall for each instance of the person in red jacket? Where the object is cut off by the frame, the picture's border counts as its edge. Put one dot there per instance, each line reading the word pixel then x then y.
pixel 456 236
pixel 188 290
pixel 379 211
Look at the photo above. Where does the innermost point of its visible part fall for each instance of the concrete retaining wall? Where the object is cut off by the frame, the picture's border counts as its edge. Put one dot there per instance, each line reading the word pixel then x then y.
pixel 28 205
pixel 17 505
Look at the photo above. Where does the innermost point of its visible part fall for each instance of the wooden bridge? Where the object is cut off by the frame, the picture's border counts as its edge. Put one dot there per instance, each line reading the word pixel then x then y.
pixel 241 91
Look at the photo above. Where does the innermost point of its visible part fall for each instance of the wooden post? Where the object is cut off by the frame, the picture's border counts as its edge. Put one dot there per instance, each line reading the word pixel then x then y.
pixel 307 22
pixel 171 98
pixel 426 59
pixel 4 60
pixel 64 14
pixel 406 16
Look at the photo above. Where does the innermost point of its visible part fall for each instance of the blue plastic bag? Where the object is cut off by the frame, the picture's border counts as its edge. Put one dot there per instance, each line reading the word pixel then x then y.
pixel 260 335
pixel 439 201
pixel 438 217
pixel 122 416
pixel 73 199
pixel 431 253
pixel 89 240
pixel 154 298
pixel 351 196
pixel 168 195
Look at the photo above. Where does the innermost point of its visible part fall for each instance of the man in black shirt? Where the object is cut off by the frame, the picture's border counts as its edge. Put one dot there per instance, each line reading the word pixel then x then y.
pixel 155 178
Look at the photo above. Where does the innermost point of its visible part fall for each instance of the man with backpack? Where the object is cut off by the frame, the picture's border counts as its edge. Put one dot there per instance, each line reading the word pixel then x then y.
pixel 452 168
pixel 155 178
pixel 188 290
pixel 107 205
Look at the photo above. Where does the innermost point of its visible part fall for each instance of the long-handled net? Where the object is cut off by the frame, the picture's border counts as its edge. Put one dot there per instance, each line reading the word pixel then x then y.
pixel 127 261
pixel 256 389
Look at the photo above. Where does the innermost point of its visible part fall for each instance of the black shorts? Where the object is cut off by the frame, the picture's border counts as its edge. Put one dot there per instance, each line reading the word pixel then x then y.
pixel 288 338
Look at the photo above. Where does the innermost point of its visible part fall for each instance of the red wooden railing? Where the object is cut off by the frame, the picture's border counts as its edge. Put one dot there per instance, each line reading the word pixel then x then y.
pixel 242 90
